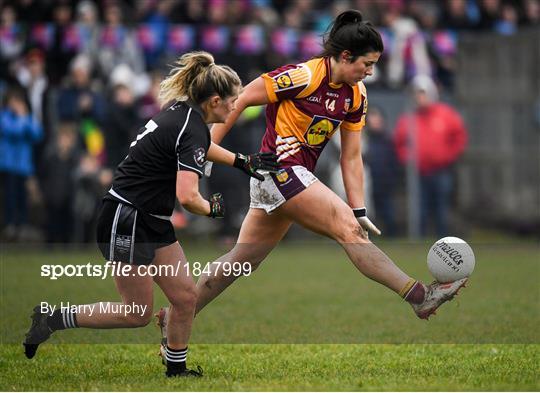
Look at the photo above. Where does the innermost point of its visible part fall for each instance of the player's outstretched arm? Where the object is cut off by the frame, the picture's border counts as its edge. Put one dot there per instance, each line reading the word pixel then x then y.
pixel 187 192
pixel 249 164
pixel 352 171
pixel 253 94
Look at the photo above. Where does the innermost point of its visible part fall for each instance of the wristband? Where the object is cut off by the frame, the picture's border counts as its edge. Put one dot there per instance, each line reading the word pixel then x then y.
pixel 239 160
pixel 359 212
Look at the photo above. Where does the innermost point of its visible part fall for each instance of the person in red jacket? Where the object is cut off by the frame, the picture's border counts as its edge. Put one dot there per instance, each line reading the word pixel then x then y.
pixel 435 131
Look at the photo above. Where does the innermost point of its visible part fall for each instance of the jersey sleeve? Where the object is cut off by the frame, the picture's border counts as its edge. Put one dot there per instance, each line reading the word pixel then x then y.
pixel 356 117
pixel 286 82
pixel 191 150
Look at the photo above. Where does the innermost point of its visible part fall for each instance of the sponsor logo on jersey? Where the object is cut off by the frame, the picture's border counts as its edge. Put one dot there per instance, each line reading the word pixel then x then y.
pixel 282 176
pixel 347 104
pixel 320 129
pixel 330 94
pixel 317 99
pixel 283 81
pixel 364 109
pixel 199 156
pixel 364 104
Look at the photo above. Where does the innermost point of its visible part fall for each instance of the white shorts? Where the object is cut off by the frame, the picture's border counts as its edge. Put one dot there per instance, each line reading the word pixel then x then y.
pixel 277 188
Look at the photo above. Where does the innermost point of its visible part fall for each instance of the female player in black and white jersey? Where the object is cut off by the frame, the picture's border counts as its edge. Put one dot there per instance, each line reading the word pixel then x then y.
pixel 165 161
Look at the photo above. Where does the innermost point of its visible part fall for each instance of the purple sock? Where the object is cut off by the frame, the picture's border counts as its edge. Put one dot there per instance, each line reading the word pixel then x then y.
pixel 416 294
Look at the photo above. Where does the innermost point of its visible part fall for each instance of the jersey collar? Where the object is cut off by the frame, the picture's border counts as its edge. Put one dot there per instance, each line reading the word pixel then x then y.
pixel 329 73
pixel 195 107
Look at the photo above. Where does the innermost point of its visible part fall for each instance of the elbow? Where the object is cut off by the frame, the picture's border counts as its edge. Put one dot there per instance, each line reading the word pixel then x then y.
pixel 351 166
pixel 350 161
pixel 187 199
pixel 242 103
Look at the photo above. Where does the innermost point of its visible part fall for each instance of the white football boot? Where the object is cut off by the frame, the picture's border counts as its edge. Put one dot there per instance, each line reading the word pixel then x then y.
pixel 436 294
pixel 162 319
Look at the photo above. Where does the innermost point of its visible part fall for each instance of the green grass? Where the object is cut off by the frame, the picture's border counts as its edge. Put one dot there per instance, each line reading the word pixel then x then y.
pixel 306 320
pixel 277 367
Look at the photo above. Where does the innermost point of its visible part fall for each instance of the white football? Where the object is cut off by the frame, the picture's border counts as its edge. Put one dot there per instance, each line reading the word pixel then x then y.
pixel 450 259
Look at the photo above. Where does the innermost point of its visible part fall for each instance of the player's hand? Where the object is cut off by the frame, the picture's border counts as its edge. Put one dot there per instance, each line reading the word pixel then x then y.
pixel 258 161
pixel 217 206
pixel 364 221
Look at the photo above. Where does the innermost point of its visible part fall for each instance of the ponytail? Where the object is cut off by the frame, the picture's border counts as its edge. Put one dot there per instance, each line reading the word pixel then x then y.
pixel 196 77
pixel 350 32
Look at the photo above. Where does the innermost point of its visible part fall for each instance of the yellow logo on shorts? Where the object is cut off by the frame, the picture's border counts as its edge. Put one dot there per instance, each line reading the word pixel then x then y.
pixel 283 81
pixel 282 176
pixel 320 129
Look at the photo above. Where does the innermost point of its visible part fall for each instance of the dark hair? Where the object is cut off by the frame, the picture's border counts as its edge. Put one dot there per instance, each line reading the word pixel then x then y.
pixel 349 32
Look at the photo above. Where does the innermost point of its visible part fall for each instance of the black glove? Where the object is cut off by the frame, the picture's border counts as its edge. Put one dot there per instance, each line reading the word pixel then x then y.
pixel 252 162
pixel 217 206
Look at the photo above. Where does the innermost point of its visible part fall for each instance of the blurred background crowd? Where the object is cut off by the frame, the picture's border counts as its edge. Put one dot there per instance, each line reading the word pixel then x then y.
pixel 79 78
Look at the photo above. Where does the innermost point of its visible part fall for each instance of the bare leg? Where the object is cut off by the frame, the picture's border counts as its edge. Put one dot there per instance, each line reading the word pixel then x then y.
pixel 181 293
pixel 332 217
pixel 259 234
pixel 138 289
pixel 134 290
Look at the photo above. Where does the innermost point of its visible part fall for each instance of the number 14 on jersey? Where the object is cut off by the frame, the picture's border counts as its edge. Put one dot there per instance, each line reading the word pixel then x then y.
pixel 330 105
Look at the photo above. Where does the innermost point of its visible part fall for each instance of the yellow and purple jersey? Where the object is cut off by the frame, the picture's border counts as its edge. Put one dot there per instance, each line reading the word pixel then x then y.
pixel 306 109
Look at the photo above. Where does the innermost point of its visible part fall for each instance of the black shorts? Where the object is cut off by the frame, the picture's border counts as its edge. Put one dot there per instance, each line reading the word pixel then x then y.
pixel 125 234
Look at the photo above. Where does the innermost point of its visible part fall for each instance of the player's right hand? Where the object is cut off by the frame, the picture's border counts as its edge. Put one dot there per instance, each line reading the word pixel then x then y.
pixel 217 206
pixel 365 222
pixel 258 161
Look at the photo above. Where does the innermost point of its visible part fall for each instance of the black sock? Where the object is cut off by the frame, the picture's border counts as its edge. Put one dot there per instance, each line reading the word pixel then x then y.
pixel 176 359
pixel 62 319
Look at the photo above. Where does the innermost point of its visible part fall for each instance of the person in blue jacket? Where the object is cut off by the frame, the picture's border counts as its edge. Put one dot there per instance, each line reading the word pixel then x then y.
pixel 19 131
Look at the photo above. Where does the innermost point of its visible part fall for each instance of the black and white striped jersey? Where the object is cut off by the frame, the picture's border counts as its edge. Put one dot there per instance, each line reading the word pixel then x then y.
pixel 177 138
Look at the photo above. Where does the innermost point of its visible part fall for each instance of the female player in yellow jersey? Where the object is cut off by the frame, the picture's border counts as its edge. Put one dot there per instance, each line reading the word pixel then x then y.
pixel 305 105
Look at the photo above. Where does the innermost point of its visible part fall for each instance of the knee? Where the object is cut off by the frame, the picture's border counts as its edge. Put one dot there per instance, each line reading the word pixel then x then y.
pixel 247 253
pixel 139 318
pixel 185 299
pixel 348 230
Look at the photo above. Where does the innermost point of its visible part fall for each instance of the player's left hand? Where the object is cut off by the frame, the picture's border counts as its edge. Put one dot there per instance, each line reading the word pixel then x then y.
pixel 366 224
pixel 258 161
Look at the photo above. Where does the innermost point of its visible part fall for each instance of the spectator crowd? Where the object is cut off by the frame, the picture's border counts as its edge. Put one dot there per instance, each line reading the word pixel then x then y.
pixel 78 79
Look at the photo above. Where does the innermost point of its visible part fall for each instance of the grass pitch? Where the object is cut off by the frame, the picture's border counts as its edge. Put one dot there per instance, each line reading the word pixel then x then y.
pixel 329 367
pixel 306 320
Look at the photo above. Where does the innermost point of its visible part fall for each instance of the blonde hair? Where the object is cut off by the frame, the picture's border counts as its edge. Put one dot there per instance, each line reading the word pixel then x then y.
pixel 196 77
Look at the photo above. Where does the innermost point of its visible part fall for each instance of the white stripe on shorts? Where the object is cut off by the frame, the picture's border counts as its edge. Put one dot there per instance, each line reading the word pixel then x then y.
pixel 113 231
pixel 132 248
pixel 116 195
